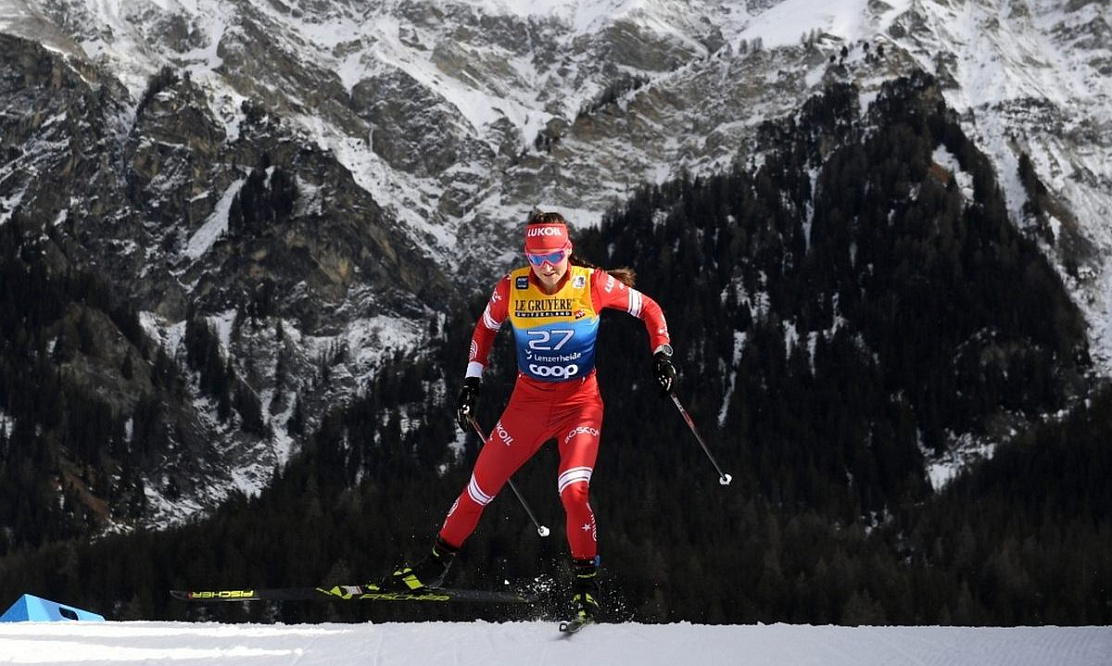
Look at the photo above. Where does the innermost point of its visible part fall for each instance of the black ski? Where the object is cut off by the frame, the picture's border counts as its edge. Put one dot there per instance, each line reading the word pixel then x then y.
pixel 354 593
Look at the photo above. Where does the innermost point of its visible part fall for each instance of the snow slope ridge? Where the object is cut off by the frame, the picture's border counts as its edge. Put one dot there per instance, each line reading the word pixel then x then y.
pixel 464 644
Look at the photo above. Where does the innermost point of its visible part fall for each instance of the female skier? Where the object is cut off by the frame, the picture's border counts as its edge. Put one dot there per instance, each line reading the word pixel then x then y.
pixel 553 306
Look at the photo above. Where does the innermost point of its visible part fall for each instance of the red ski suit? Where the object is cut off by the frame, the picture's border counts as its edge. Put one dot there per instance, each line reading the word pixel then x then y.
pixel 556 394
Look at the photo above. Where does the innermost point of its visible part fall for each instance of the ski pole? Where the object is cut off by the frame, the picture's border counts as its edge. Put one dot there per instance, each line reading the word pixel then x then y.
pixel 541 529
pixel 723 478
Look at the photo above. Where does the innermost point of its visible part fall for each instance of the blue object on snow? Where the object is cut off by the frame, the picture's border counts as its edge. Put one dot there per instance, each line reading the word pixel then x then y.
pixel 30 608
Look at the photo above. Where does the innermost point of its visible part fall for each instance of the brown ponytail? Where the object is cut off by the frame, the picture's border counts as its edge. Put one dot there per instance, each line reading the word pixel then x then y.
pixel 624 275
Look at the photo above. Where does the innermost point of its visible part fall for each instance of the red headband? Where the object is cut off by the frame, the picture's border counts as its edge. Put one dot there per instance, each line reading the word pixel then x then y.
pixel 543 238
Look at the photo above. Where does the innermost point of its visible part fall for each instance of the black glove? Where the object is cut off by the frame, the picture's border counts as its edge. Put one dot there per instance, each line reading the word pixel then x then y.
pixel 663 371
pixel 465 404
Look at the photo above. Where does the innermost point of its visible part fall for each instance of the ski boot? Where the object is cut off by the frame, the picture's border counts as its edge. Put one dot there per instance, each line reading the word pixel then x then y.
pixel 584 596
pixel 430 572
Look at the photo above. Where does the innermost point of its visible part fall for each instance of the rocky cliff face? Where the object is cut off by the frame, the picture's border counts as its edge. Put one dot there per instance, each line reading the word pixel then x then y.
pixel 190 221
pixel 345 170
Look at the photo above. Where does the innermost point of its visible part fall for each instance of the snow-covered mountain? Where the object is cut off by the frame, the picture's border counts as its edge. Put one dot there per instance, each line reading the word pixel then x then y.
pixel 413 136
pixel 457 115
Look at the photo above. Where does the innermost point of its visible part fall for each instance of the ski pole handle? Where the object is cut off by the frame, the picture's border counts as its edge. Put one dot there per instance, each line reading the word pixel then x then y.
pixel 541 529
pixel 723 478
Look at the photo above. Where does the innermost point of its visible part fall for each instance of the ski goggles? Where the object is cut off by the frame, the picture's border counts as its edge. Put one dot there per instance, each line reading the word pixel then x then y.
pixel 553 258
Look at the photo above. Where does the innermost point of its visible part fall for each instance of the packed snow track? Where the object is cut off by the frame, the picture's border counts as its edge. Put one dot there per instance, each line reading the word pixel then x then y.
pixel 541 644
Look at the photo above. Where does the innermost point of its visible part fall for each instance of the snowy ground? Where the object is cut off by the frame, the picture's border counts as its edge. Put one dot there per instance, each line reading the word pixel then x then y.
pixel 539 644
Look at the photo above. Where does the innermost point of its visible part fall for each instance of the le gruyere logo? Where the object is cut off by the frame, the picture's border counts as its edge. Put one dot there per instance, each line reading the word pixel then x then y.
pixel 543 307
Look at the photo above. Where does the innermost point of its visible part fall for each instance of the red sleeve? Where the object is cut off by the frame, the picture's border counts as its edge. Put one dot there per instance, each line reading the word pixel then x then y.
pixel 487 327
pixel 609 292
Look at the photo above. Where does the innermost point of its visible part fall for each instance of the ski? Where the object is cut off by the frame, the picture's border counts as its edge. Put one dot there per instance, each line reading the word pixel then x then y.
pixel 354 593
pixel 573 625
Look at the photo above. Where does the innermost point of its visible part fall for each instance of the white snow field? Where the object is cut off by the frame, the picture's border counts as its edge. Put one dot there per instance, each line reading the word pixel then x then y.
pixel 540 644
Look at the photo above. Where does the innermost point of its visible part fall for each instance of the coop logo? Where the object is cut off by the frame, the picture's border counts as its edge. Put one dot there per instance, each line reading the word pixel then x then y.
pixel 535 232
pixel 503 434
pixel 581 430
pixel 554 371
